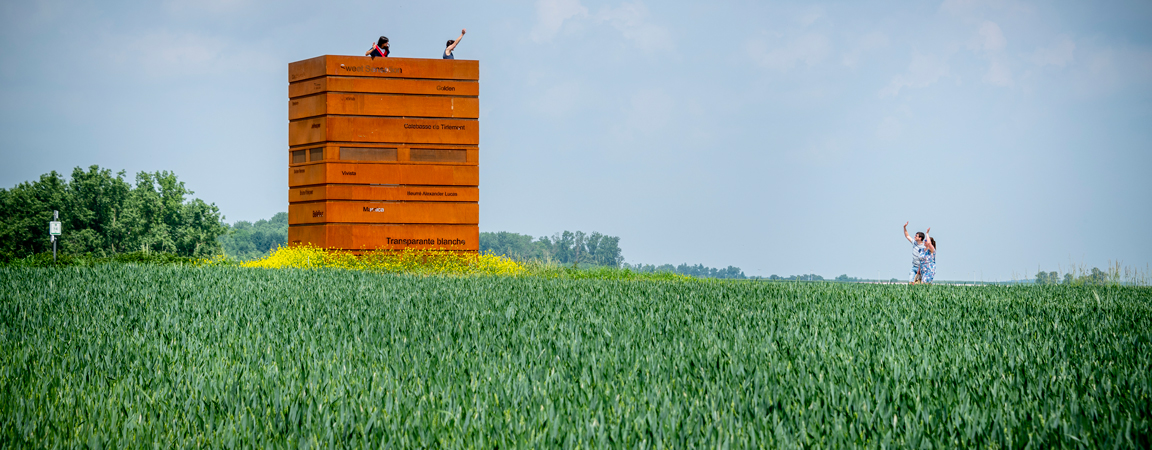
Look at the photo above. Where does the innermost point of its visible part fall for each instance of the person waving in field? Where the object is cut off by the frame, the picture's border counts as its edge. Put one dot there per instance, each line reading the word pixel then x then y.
pixel 918 251
pixel 928 262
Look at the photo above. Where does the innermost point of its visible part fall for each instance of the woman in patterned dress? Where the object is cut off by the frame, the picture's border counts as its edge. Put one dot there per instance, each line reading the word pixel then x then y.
pixel 928 262
pixel 918 251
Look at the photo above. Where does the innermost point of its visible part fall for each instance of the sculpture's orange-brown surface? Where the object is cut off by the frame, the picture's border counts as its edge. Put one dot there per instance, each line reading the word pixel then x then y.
pixel 383 212
pixel 383 153
pixel 386 236
pixel 383 129
pixel 344 103
pixel 363 66
pixel 383 193
pixel 395 174
pixel 461 88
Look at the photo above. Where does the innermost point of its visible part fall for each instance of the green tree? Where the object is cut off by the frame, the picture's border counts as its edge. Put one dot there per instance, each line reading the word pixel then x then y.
pixel 565 248
pixel 247 240
pixel 104 215
pixel 161 220
pixel 1047 278
pixel 1096 277
pixel 520 247
pixel 603 250
pixel 95 212
pixel 27 210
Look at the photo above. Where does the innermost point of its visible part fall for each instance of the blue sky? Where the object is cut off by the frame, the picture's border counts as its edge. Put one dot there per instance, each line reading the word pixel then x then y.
pixel 780 137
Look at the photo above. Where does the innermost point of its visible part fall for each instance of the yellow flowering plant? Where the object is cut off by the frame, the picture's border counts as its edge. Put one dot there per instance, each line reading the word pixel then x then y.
pixel 414 261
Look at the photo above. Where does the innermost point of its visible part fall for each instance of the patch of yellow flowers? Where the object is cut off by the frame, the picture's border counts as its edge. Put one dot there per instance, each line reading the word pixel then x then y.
pixel 423 262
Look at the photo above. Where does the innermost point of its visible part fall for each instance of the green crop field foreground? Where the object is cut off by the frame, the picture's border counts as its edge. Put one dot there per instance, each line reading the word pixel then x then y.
pixel 123 355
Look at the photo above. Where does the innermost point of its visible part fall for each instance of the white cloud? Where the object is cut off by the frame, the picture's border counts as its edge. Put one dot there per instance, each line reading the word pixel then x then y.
pixel 629 19
pixel 991 38
pixel 922 71
pixel 810 49
pixel 859 46
pixel 1107 70
pixel 1059 54
pixel 990 41
pixel 998 73
pixel 551 14
pixel 811 15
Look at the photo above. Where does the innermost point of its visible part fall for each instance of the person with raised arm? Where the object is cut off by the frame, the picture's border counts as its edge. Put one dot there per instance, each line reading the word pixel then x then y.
pixel 380 48
pixel 452 45
pixel 928 263
pixel 917 254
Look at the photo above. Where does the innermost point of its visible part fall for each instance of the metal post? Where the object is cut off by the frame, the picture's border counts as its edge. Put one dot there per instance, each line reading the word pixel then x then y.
pixel 55 218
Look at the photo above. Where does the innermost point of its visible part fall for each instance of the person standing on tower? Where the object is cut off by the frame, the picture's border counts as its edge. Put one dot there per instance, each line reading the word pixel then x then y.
pixel 452 46
pixel 380 48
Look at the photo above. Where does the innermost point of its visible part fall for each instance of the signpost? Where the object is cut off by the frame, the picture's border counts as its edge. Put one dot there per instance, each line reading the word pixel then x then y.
pixel 54 230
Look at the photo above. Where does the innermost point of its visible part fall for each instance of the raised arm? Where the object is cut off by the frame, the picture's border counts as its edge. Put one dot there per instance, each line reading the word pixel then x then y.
pixel 928 240
pixel 457 42
pixel 906 236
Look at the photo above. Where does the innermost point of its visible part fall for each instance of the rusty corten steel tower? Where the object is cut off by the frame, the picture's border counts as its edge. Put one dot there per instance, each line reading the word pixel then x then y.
pixel 383 153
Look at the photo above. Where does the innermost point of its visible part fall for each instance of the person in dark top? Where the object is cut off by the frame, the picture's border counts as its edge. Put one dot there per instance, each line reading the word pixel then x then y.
pixel 380 48
pixel 452 46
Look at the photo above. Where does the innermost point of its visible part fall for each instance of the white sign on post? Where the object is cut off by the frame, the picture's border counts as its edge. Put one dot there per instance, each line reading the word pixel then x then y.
pixel 54 228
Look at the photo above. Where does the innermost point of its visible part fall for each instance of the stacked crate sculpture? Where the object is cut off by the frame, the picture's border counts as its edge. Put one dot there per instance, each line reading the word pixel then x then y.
pixel 383 153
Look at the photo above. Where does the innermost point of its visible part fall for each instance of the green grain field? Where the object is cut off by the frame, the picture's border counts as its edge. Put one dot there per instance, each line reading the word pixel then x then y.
pixel 172 357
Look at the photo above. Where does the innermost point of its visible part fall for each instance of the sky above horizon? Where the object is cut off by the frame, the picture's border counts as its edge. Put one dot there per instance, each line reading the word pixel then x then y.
pixel 778 137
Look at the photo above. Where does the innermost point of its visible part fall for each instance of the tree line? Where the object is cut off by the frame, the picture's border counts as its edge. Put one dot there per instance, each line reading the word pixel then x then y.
pixel 586 250
pixel 698 270
pixel 576 248
pixel 1093 277
pixel 251 240
pixel 103 215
